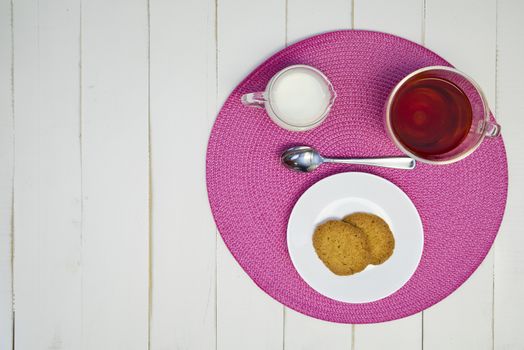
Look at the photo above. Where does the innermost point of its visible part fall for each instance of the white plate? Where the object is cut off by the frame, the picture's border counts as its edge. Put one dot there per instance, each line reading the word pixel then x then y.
pixel 346 193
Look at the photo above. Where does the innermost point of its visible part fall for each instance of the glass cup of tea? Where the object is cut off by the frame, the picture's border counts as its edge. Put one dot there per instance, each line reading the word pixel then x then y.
pixel 297 98
pixel 438 115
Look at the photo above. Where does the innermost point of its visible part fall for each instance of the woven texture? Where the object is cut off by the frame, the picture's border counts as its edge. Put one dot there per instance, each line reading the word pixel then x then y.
pixel 252 194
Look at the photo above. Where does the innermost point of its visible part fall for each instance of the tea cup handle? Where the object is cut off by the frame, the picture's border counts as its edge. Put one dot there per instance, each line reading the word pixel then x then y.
pixel 255 99
pixel 492 129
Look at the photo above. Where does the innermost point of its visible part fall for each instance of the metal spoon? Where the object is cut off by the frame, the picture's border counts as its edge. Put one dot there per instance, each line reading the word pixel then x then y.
pixel 306 159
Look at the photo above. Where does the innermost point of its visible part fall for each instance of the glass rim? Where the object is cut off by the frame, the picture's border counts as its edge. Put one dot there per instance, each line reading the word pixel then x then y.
pixel 459 156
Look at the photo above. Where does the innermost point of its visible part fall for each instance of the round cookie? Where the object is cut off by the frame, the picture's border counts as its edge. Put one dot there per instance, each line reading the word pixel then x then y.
pixel 342 247
pixel 380 238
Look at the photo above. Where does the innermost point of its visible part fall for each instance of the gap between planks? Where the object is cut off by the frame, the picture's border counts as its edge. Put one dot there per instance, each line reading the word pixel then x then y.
pixel 216 36
pixel 81 163
pixel 12 218
pixel 150 183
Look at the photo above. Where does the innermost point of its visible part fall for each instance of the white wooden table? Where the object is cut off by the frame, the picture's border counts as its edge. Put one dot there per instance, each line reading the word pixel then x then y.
pixel 105 242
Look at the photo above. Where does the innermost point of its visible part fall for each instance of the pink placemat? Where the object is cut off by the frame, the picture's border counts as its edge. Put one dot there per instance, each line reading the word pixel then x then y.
pixel 252 194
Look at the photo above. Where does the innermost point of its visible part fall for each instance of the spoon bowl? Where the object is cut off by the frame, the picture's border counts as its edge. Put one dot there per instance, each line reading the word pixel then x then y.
pixel 302 158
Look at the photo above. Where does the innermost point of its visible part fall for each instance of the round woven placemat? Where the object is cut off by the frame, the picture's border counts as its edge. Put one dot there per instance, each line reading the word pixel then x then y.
pixel 252 194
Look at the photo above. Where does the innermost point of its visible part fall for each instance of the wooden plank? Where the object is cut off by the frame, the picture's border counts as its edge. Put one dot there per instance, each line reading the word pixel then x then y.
pixel 115 174
pixel 406 19
pixel 183 94
pixel 310 17
pixel 464 319
pixel 245 40
pixel 6 176
pixel 248 32
pixel 405 333
pixel 47 187
pixel 306 18
pixel 304 332
pixel 466 37
pixel 247 318
pixel 509 247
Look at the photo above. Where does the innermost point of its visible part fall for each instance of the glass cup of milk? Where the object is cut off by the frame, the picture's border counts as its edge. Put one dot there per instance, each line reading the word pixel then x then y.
pixel 297 98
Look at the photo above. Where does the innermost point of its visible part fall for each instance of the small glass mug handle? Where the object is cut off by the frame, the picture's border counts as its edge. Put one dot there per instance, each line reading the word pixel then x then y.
pixel 492 129
pixel 255 99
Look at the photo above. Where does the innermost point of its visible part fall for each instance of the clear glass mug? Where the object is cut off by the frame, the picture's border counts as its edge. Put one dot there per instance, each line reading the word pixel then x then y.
pixel 297 98
pixel 481 126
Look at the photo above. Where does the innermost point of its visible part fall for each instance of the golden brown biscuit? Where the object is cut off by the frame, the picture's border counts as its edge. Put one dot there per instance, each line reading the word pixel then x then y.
pixel 380 238
pixel 342 247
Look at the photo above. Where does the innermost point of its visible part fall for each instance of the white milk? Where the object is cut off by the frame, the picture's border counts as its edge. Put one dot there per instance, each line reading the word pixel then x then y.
pixel 300 96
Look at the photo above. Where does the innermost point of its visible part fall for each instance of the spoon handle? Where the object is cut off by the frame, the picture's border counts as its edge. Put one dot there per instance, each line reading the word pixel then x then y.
pixel 388 162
